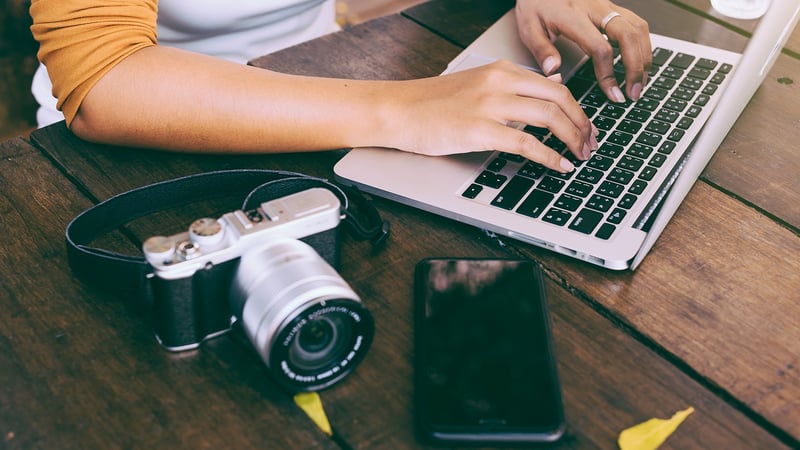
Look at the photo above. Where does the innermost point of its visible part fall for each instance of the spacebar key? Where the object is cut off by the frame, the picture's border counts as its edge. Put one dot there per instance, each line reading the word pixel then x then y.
pixel 586 221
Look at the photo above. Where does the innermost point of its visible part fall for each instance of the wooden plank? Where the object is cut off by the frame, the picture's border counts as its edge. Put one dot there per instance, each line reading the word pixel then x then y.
pixel 80 369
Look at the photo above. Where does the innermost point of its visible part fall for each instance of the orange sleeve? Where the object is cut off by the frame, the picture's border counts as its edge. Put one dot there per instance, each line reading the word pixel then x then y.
pixel 81 40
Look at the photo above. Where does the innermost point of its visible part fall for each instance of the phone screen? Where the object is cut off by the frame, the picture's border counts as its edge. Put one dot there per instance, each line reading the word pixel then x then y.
pixel 484 365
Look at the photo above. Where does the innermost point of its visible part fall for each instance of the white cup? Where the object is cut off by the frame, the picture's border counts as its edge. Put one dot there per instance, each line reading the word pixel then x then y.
pixel 741 9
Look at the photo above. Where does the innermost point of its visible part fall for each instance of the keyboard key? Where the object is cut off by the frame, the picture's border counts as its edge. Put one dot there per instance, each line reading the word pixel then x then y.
pixel 599 203
pixel 613 111
pixel 656 93
pixel 620 176
pixel 586 221
pixel 513 192
pixel 648 104
pixel 568 202
pixel 725 68
pixel 657 160
pixel 605 231
pixel 685 123
pixel 660 56
pixel 610 150
pixel 673 72
pixel 637 187
pixel 683 94
pixel 579 86
pixel 619 138
pixel 610 189
pixel 664 83
pixel 682 61
pixel 640 150
pixel 667 115
pixel 700 73
pixel 496 165
pixel 590 175
pixel 627 201
pixel 532 170
pixel 706 63
pixel 718 78
pixel 557 217
pixel 693 111
pixel 648 173
pixel 676 135
pixel 491 179
pixel 675 104
pixel 472 191
pixel 604 123
pixel 535 203
pixel 639 115
pixel 648 138
pixel 667 147
pixel 579 188
pixel 600 162
pixel 658 127
pixel 550 184
pixel 617 215
pixel 691 83
pixel 629 126
pixel 630 163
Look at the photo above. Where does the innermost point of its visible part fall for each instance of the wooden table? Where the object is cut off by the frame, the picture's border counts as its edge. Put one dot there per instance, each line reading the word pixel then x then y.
pixel 711 319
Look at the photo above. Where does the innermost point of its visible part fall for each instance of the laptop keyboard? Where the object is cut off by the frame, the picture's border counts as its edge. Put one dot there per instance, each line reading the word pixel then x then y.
pixel 636 140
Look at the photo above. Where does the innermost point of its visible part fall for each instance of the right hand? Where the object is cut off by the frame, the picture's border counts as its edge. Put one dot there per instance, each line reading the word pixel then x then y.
pixel 468 111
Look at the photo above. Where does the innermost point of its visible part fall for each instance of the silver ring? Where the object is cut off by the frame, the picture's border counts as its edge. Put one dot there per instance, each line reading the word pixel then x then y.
pixel 606 19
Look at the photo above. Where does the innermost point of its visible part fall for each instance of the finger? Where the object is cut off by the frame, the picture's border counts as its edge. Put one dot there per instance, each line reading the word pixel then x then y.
pixel 555 101
pixel 537 39
pixel 633 36
pixel 586 34
pixel 521 143
pixel 545 114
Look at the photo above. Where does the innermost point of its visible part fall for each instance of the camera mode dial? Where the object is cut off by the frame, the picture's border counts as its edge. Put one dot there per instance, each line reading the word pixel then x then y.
pixel 206 232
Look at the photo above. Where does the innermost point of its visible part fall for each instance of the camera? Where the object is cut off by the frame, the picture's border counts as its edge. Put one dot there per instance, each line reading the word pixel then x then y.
pixel 253 267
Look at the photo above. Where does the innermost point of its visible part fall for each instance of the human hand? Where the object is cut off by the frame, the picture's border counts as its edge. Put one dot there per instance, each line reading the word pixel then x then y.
pixel 541 21
pixel 469 111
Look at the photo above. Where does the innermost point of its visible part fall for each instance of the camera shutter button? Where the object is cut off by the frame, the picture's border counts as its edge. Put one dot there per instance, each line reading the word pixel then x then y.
pixel 206 232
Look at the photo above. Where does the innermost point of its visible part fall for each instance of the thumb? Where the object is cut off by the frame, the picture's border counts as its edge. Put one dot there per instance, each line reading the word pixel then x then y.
pixel 540 43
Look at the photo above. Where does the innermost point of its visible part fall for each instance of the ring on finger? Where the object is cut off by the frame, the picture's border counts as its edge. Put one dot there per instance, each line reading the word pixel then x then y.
pixel 608 18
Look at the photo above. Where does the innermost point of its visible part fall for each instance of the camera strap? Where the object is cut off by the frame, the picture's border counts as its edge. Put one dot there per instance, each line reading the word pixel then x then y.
pixel 125 272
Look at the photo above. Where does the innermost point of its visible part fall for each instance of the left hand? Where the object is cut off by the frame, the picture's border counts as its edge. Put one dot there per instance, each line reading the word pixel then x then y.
pixel 541 21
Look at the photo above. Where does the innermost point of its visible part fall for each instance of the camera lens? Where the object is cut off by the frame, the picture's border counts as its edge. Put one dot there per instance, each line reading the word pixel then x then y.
pixel 318 344
pixel 304 320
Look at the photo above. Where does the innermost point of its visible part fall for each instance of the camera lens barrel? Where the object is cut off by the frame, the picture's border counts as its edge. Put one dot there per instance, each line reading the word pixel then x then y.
pixel 307 324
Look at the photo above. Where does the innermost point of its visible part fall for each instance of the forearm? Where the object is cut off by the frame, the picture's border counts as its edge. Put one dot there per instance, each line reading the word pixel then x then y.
pixel 169 99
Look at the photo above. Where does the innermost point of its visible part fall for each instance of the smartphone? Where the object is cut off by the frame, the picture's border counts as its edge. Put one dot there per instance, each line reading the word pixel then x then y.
pixel 484 368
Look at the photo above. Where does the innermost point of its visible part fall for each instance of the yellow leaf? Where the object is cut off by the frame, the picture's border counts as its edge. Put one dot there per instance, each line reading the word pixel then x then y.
pixel 652 433
pixel 312 405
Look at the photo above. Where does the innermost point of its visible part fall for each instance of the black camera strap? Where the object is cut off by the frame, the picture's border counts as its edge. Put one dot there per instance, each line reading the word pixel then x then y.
pixel 125 272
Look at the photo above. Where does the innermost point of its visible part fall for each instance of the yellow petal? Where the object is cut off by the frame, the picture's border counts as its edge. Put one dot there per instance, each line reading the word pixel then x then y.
pixel 312 405
pixel 652 433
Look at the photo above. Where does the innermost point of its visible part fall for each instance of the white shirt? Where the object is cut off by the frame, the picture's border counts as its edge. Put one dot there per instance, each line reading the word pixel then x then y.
pixel 237 30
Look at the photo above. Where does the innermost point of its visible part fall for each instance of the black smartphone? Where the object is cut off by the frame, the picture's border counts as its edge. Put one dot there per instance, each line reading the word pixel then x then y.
pixel 484 368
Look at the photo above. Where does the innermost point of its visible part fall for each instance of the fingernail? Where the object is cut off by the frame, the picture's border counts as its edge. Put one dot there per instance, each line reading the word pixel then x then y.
pixel 566 165
pixel 616 95
pixel 595 131
pixel 636 91
pixel 549 65
pixel 587 153
pixel 594 145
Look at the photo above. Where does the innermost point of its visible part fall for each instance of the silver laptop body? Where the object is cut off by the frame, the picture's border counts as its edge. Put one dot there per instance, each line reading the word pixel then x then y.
pixel 588 215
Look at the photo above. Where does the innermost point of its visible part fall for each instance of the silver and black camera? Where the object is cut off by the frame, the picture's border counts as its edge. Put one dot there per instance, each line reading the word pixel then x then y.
pixel 251 266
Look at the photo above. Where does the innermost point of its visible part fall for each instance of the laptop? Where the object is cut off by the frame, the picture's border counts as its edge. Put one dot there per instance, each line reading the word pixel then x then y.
pixel 613 207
